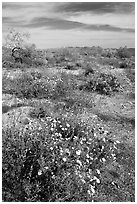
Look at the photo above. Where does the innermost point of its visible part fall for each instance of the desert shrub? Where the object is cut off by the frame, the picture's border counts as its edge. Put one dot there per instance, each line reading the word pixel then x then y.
pixel 36 75
pixel 29 54
pixel 38 112
pixel 88 69
pixel 109 61
pixel 34 89
pixel 130 73
pixel 16 86
pixel 102 83
pixel 25 86
pixel 107 54
pixel 78 100
pixel 64 86
pixel 123 65
pixel 123 53
pixel 33 86
pixel 7 64
pixel 71 66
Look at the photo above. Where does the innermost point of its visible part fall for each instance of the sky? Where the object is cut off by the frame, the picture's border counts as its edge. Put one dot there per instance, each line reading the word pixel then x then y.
pixel 65 24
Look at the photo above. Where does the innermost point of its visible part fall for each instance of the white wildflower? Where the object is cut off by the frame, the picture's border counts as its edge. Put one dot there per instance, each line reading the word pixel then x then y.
pixel 64 159
pixel 98 171
pixel 81 142
pixel 83 180
pixel 79 162
pixel 97 180
pixel 92 189
pixel 39 172
pixel 95 134
pixel 88 191
pixel 104 139
pixel 103 159
pixel 87 160
pixel 51 148
pixel 87 155
pixel 78 152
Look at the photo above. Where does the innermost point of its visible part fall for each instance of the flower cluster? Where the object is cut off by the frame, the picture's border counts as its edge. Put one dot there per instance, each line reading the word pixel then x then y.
pixel 59 160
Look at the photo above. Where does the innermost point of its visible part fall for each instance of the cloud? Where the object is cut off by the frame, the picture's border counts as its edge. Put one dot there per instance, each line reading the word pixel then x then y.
pixel 96 7
pixel 54 23
pixel 62 24
pixel 108 28
pixel 15 6
pixel 12 22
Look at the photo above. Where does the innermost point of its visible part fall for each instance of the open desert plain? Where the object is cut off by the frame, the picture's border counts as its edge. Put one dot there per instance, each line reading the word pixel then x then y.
pixel 68 121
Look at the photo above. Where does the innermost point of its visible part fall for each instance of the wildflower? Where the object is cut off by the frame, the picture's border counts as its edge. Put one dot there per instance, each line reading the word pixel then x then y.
pixel 78 152
pixel 52 129
pixel 79 162
pixel 92 189
pixel 97 180
pixel 67 125
pixel 87 160
pixel 102 147
pixel 103 159
pixel 83 180
pixel 88 191
pixel 39 172
pixel 95 134
pixel 98 171
pixel 87 155
pixel 64 159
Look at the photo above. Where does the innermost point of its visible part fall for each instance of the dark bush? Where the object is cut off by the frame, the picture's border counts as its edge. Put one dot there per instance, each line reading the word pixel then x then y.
pixel 71 66
pixel 123 53
pixel 102 83
pixel 123 65
pixel 29 56
pixel 38 113
pixel 88 70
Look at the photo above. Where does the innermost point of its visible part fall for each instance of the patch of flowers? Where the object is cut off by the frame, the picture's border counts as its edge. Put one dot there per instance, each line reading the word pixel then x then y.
pixel 61 161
